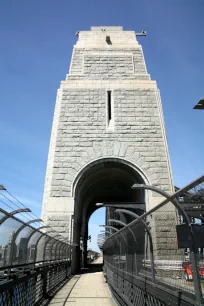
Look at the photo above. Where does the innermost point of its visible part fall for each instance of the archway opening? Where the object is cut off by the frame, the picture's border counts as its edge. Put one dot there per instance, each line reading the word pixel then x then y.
pixel 105 181
pixel 97 218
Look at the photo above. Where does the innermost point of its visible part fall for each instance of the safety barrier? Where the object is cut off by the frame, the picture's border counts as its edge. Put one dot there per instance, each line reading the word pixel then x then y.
pixel 35 260
pixel 22 242
pixel 33 285
pixel 146 263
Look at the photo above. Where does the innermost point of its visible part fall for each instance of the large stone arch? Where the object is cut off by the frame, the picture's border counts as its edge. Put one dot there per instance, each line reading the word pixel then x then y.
pixel 107 179
pixel 106 159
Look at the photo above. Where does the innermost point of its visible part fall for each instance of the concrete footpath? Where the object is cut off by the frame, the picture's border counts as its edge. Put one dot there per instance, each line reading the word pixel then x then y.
pixel 86 289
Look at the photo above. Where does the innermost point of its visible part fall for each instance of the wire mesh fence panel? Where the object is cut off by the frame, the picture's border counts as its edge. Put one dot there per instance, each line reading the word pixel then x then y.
pixel 24 292
pixel 50 249
pixel 53 250
pixel 62 252
pixel 39 288
pixel 35 287
pixel 33 264
pixel 192 201
pixel 55 277
pixel 41 243
pixel 57 250
pixel 32 247
pixel 9 252
pixel 21 243
pixel 5 297
pixel 168 258
pixel 163 248
pixel 141 245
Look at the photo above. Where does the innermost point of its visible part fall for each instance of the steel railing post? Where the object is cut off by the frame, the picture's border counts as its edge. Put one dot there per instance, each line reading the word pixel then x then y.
pixel 44 286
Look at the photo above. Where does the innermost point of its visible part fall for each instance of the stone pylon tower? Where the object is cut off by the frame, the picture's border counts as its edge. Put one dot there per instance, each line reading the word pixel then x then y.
pixel 108 131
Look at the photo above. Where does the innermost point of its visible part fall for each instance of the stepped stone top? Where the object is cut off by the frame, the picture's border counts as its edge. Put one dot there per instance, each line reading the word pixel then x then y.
pixel 107 28
pixel 107 37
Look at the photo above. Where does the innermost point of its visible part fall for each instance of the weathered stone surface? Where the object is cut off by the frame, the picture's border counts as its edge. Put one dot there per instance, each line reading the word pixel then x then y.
pixel 58 217
pixel 129 130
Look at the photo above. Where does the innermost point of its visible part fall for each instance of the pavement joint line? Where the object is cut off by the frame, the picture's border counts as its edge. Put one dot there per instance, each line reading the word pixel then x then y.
pixel 59 298
pixel 90 297
pixel 66 299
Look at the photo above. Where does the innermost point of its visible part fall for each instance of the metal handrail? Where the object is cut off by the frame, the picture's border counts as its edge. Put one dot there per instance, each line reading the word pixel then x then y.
pixel 12 213
pixel 131 213
pixel 161 204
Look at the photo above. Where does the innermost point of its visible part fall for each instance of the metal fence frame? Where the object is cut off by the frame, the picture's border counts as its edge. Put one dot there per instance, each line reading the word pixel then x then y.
pixel 24 279
pixel 35 287
pixel 58 242
pixel 122 275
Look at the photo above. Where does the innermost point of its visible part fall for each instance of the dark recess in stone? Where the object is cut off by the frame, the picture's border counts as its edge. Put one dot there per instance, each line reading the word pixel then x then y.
pixel 108 40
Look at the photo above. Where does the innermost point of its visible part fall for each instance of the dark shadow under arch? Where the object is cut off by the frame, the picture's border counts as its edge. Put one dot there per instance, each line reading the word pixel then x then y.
pixel 104 180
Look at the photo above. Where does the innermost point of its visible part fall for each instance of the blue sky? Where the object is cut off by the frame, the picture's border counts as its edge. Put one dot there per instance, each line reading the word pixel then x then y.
pixel 36 44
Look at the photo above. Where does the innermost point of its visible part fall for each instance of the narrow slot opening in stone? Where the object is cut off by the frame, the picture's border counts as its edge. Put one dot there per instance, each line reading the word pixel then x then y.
pixel 108 40
pixel 109 106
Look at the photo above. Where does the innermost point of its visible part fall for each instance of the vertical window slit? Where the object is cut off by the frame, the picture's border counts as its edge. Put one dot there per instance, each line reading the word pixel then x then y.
pixel 109 106
pixel 110 111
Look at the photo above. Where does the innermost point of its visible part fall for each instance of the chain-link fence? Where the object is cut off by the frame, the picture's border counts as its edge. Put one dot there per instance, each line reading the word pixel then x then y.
pixel 158 258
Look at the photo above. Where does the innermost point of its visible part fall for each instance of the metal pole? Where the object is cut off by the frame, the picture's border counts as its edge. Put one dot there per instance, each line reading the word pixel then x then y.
pixel 70 251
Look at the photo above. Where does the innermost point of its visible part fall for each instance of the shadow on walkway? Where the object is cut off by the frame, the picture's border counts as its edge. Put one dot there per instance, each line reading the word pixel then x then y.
pixel 92 268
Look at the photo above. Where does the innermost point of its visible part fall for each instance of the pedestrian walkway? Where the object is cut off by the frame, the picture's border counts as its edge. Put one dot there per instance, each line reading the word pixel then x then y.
pixel 86 289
